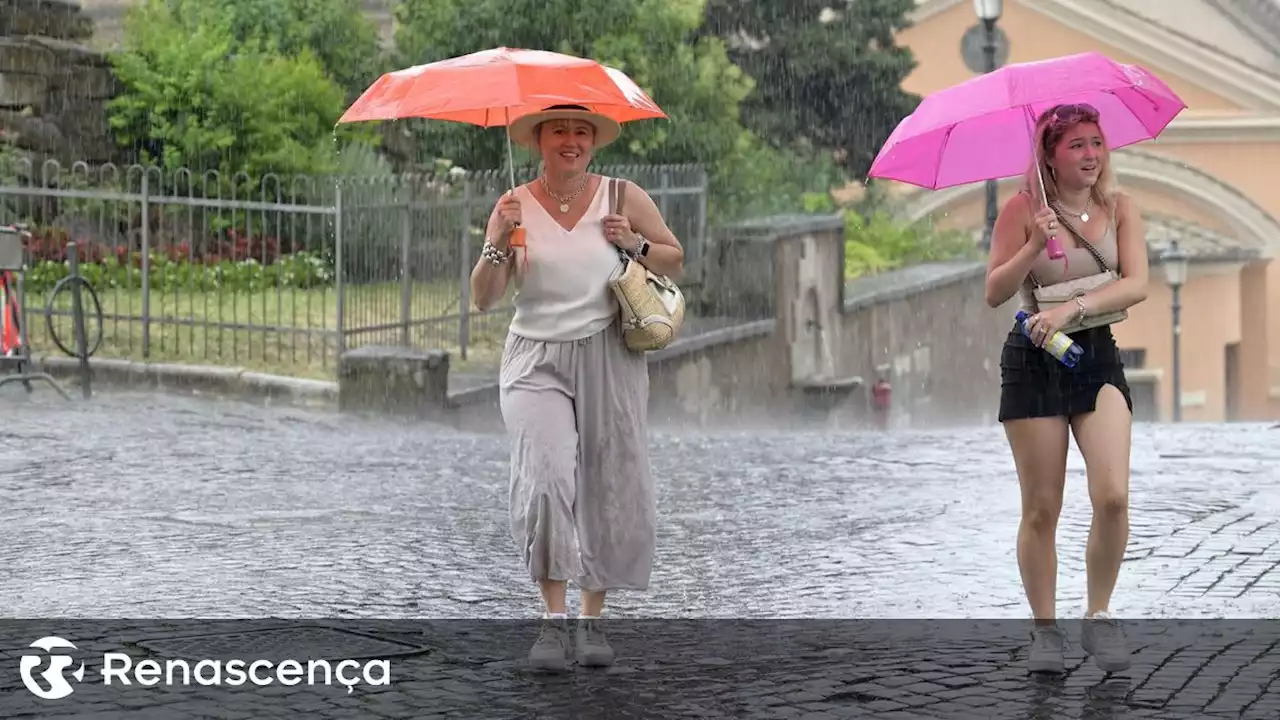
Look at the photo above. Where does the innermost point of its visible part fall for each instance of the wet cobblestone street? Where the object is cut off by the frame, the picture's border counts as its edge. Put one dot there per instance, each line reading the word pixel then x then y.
pixel 149 506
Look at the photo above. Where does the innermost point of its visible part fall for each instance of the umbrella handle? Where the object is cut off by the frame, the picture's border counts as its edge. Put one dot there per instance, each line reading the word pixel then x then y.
pixel 517 234
pixel 1051 245
pixel 511 163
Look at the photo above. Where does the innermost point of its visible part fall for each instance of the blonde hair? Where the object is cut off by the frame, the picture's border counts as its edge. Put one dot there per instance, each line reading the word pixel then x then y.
pixel 1050 129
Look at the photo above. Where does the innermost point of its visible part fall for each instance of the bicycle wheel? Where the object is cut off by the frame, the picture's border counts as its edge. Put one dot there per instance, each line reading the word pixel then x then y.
pixel 88 303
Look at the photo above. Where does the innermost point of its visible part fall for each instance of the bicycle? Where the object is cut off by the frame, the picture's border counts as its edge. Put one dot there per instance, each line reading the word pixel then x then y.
pixel 15 349
pixel 15 352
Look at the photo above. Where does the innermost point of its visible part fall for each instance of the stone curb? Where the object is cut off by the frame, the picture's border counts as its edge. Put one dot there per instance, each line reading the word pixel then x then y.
pixel 196 379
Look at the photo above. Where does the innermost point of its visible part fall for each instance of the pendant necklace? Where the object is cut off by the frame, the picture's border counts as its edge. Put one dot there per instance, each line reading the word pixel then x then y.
pixel 564 201
pixel 1083 215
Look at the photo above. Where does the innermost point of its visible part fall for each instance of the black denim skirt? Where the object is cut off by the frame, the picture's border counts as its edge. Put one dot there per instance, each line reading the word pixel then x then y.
pixel 1034 383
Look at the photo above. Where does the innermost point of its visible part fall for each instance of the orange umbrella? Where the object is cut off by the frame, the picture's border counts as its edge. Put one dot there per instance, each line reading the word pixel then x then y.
pixel 492 87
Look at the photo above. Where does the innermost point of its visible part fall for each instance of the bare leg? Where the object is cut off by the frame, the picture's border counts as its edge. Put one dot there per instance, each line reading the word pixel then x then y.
pixel 592 602
pixel 1040 454
pixel 1104 438
pixel 553 592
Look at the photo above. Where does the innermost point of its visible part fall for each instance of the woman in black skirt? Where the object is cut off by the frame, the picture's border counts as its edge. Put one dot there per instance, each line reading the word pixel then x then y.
pixel 1041 399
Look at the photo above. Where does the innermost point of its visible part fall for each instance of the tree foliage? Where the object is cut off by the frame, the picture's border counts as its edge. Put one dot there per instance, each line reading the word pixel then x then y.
pixel 775 98
pixel 207 85
pixel 337 32
pixel 698 87
pixel 657 43
pixel 828 73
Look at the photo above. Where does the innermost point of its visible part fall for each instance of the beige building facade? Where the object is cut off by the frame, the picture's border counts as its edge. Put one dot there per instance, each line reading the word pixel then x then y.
pixel 1210 180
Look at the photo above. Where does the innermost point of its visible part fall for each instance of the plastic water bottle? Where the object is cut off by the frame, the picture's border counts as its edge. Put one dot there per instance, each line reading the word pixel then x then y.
pixel 1061 346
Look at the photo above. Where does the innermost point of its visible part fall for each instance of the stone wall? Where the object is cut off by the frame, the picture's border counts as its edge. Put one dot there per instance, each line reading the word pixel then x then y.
pixel 53 88
pixel 926 329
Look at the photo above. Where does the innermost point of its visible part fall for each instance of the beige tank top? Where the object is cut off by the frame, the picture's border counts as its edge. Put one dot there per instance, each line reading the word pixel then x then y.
pixel 562 276
pixel 1079 262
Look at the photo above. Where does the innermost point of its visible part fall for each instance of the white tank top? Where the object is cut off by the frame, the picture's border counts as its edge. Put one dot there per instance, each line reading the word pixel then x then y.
pixel 562 293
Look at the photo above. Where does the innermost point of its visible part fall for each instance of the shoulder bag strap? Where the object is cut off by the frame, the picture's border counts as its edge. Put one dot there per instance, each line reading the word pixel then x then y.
pixel 1087 245
pixel 617 194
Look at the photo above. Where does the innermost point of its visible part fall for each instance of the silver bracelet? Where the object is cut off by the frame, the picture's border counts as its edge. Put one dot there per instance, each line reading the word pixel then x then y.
pixel 494 255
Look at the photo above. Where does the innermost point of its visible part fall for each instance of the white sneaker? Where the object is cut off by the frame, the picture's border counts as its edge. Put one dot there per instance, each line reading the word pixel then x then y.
pixel 1045 654
pixel 1103 637
pixel 593 646
pixel 550 652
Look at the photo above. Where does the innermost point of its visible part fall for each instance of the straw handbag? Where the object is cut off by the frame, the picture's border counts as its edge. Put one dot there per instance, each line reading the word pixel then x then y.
pixel 651 307
pixel 1049 297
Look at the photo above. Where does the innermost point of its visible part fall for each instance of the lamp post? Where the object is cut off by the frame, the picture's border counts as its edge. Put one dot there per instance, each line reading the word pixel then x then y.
pixel 1175 273
pixel 989 12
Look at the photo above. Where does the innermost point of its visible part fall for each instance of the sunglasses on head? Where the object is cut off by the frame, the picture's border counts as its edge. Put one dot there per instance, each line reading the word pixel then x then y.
pixel 1074 112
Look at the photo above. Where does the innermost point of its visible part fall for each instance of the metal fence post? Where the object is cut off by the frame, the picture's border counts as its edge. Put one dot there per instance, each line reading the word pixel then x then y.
pixel 77 319
pixel 146 266
pixel 663 200
pixel 338 271
pixel 464 274
pixel 701 232
pixel 406 274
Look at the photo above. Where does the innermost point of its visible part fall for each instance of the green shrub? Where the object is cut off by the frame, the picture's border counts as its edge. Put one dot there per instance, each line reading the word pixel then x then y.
pixel 298 271
pixel 880 242
pixel 196 96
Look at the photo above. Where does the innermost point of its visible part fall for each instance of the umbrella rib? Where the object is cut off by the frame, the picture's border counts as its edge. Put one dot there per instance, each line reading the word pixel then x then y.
pixel 942 148
pixel 1144 96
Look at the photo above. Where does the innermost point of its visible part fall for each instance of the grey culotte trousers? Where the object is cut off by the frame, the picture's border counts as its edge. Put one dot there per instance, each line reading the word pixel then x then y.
pixel 582 500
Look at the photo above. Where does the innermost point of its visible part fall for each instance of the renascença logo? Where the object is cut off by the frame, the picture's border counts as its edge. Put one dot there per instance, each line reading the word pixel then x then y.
pixel 120 668
pixel 58 685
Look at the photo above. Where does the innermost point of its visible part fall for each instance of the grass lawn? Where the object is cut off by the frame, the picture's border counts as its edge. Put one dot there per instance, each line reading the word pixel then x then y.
pixel 285 332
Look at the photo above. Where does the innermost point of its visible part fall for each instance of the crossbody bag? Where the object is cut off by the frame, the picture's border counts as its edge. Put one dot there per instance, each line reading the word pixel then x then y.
pixel 1049 297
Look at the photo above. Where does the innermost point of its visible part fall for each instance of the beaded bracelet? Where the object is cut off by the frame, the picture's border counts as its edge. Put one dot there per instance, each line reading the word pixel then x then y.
pixel 494 255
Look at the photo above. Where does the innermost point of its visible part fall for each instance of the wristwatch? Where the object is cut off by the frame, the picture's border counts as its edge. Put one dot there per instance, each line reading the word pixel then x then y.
pixel 643 249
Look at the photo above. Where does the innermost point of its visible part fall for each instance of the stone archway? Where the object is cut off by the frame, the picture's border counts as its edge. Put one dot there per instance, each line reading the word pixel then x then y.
pixel 1249 222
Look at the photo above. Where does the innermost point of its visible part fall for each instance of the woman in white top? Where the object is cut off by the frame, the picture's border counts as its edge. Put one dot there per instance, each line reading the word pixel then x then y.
pixel 573 397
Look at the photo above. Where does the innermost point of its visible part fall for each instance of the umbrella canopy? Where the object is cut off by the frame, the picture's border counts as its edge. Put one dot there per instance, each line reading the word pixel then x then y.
pixel 492 87
pixel 983 128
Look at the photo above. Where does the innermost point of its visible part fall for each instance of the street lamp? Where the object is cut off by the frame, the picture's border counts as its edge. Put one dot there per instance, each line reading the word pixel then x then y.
pixel 1175 273
pixel 989 12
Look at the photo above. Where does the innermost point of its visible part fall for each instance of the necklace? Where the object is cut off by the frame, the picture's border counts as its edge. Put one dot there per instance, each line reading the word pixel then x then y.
pixel 564 201
pixel 1083 215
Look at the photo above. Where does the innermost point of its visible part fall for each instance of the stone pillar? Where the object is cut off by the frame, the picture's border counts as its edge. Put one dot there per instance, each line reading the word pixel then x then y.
pixel 1251 392
pixel 1273 335
pixel 809 282
pixel 394 381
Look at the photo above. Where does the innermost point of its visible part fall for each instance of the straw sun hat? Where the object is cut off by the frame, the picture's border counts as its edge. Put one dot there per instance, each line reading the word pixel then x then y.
pixel 522 128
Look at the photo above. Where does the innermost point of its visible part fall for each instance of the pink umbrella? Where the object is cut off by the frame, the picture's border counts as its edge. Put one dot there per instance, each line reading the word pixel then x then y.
pixel 983 128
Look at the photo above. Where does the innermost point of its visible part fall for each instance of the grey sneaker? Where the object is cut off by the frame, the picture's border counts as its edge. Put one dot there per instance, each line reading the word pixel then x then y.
pixel 593 646
pixel 1102 637
pixel 1045 652
pixel 551 650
